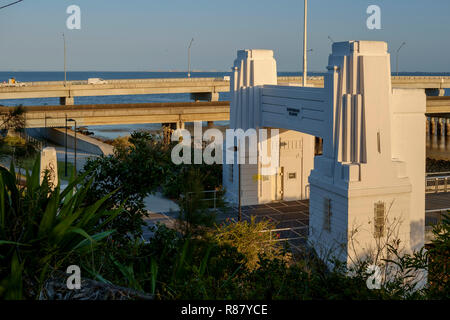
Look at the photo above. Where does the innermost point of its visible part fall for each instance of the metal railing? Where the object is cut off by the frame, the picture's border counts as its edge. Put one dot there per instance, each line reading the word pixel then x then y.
pixel 216 196
pixel 296 236
pixel 113 81
pixel 438 182
pixel 433 218
pixel 29 139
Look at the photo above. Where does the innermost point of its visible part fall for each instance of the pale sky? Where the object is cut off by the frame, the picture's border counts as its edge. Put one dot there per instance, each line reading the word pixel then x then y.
pixel 151 35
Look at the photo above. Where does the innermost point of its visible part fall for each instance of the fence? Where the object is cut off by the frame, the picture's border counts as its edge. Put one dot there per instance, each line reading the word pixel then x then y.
pixel 437 182
pixel 117 81
pixel 432 218
pixel 213 197
pixel 29 139
pixel 290 235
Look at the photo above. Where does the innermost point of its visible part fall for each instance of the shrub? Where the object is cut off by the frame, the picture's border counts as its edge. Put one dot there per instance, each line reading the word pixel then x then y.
pixel 439 262
pixel 135 171
pixel 253 240
pixel 194 210
pixel 42 229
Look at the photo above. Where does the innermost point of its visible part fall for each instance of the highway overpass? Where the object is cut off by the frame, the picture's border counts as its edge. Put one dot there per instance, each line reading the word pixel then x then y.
pixel 173 112
pixel 113 114
pixel 200 88
pixel 438 107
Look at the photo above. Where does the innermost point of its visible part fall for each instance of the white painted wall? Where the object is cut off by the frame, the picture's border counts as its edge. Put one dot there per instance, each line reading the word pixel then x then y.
pixel 409 130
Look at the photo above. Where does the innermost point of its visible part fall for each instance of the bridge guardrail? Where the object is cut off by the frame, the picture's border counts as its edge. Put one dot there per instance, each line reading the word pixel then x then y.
pixel 438 183
pixel 280 78
pixel 212 197
pixel 117 81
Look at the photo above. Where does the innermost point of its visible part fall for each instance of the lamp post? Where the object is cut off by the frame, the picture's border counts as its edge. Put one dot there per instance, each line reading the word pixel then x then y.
pixel 398 50
pixel 65 153
pixel 189 58
pixel 45 128
pixel 75 144
pixel 65 71
pixel 75 147
pixel 239 190
pixel 305 59
pixel 236 150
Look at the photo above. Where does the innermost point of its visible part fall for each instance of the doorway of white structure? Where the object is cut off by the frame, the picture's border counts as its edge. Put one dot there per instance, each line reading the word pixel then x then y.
pixel 296 162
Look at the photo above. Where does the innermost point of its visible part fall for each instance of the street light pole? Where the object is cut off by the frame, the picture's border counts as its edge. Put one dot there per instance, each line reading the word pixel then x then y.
pixel 45 129
pixel 189 58
pixel 65 153
pixel 75 145
pixel 236 151
pixel 398 50
pixel 305 68
pixel 75 161
pixel 239 190
pixel 65 72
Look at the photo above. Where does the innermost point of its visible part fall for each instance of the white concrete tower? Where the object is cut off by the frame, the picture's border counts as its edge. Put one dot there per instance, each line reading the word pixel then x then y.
pixel 252 71
pixel 368 187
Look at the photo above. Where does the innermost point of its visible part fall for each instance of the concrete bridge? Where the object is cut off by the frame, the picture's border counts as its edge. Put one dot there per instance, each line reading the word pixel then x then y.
pixel 111 114
pixel 173 112
pixel 200 88
pixel 438 116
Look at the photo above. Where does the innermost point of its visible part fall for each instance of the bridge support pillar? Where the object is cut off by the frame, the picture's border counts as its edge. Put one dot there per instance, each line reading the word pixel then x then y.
pixel 167 129
pixel 441 127
pixel 205 96
pixel 435 92
pixel 433 129
pixel 180 125
pixel 67 101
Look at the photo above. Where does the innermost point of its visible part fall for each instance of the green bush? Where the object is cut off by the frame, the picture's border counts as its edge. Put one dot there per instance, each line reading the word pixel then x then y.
pixel 44 230
pixel 439 262
pixel 253 240
pixel 135 171
pixel 195 213
pixel 17 147
pixel 210 178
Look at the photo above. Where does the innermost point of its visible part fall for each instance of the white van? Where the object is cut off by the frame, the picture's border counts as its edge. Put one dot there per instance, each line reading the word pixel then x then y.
pixel 96 81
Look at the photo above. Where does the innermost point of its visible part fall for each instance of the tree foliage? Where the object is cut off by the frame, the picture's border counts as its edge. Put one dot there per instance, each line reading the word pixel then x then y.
pixel 135 170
